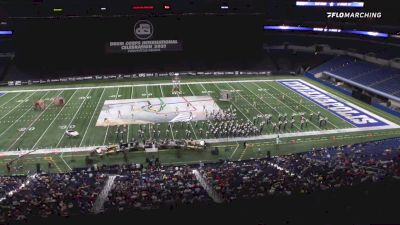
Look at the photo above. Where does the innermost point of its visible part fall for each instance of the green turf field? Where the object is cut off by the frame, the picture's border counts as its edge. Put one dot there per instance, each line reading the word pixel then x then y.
pixel 22 127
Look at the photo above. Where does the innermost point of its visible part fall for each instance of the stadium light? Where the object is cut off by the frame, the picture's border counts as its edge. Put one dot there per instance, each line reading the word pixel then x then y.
pixel 330 4
pixel 283 27
pixel 368 33
pixel 6 32
pixel 328 30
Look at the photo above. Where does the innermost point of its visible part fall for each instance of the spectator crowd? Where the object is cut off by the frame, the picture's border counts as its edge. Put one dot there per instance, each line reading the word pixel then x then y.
pixel 138 187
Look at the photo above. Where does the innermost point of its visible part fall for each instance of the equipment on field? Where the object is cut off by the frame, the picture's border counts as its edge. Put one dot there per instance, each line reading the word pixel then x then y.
pixel 39 105
pixel 176 85
pixel 72 133
pixel 226 95
pixel 105 150
pixel 197 145
pixel 59 101
pixel 215 151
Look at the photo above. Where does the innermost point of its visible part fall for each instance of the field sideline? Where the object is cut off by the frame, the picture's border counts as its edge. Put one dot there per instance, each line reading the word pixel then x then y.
pixel 24 128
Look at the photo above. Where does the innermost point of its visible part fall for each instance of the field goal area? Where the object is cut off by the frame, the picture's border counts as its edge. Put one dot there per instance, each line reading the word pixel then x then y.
pixel 155 110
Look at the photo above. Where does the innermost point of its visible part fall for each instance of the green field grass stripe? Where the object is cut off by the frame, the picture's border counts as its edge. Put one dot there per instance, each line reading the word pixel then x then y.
pixel 54 119
pixel 30 125
pixel 73 118
pixel 15 96
pixel 233 103
pixel 262 100
pixel 91 118
pixel 23 101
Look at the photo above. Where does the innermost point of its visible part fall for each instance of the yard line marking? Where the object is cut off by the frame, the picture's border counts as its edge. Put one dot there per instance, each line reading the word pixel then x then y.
pixel 311 122
pixel 305 105
pixel 108 126
pixel 50 159
pixel 17 120
pixel 10 99
pixel 17 106
pixel 169 124
pixel 135 85
pixel 233 105
pixel 267 104
pixel 244 151
pixel 162 93
pixel 233 153
pixel 33 122
pixel 73 118
pixel 191 125
pixel 204 88
pixel 129 125
pixel 246 101
pixel 54 119
pixel 87 128
pixel 62 158
pixel 147 96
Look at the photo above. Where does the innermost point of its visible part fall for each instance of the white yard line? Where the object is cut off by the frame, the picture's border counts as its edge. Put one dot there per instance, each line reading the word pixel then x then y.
pixel 233 153
pixel 30 125
pixel 62 158
pixel 267 104
pixel 191 125
pixel 246 101
pixel 21 117
pixel 91 118
pixel 10 99
pixel 219 140
pixel 172 131
pixel 233 103
pixel 162 92
pixel 108 126
pixel 201 84
pixel 129 125
pixel 285 104
pixel 391 124
pixel 305 105
pixel 299 134
pixel 134 85
pixel 147 96
pixel 54 119
pixel 17 106
pixel 73 118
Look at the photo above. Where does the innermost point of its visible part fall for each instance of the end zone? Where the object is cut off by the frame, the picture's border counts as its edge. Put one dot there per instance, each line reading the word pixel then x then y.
pixel 355 115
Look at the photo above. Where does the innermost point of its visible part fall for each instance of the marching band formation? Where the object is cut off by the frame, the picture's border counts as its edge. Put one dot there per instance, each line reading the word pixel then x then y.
pixel 225 123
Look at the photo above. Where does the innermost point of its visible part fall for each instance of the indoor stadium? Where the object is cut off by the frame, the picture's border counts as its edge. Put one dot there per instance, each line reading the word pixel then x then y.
pixel 249 112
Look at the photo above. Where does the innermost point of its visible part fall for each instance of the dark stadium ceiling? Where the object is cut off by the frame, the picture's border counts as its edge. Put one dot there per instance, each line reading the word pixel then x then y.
pixel 283 10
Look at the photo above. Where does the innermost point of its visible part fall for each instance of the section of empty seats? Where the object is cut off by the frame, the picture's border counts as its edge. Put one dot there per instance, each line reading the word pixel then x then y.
pixel 378 77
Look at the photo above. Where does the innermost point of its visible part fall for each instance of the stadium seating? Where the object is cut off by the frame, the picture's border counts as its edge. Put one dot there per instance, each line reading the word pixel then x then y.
pixel 377 77
pixel 154 187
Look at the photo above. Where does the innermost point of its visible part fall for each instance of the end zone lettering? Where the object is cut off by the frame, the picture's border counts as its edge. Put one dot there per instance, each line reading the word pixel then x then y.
pixel 348 113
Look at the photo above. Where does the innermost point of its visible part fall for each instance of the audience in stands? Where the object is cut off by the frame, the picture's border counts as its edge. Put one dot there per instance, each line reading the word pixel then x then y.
pixel 136 187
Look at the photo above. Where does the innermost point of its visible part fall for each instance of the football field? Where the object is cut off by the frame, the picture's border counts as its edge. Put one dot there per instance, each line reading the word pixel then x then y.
pixel 129 105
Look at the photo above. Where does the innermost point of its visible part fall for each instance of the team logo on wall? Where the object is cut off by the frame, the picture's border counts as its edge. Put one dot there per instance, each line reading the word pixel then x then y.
pixel 144 29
